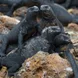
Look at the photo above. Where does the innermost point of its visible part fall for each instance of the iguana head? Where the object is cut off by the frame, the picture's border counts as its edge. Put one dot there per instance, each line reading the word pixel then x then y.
pixel 50 32
pixel 62 39
pixel 32 12
pixel 46 12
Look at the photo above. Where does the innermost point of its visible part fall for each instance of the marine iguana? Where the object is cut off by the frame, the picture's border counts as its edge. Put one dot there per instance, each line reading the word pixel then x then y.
pixel 49 33
pixel 67 3
pixel 61 13
pixel 29 25
pixel 14 4
pixel 48 17
pixel 5 40
pixel 62 40
pixel 13 61
pixel 54 35
pixel 64 3
pixel 57 44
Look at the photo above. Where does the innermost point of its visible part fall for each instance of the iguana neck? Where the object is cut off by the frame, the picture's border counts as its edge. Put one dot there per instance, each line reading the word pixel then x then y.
pixel 31 19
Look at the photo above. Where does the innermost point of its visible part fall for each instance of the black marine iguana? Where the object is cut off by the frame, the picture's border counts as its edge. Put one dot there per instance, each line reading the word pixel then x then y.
pixel 64 3
pixel 63 16
pixel 62 40
pixel 14 4
pixel 29 25
pixel 10 37
pixel 48 17
pixel 59 11
pixel 59 40
pixel 13 61
pixel 67 3
pixel 50 12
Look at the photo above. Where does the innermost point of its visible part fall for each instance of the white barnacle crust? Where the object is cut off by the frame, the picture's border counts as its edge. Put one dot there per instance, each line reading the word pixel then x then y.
pixel 69 69
pixel 21 71
pixel 44 74
pixel 27 64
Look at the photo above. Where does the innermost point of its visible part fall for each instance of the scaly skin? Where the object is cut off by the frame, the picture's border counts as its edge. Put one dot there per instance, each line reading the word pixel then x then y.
pixel 13 61
pixel 64 3
pixel 14 4
pixel 48 17
pixel 67 3
pixel 29 26
pixel 61 41
pixel 50 33
pixel 61 13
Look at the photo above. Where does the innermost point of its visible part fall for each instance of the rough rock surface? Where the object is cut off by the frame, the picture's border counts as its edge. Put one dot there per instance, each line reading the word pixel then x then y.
pixel 3 72
pixel 9 22
pixel 73 26
pixel 44 65
pixel 41 65
pixel 73 34
pixel 20 11
pixel 3 29
pixel 74 38
pixel 73 11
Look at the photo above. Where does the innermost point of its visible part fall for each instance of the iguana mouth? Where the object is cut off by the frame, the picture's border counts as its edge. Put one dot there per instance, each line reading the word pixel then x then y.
pixel 46 15
pixel 46 12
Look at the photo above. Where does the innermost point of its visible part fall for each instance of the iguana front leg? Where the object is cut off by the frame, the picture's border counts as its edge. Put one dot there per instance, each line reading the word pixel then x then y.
pixel 20 39
pixel 13 69
pixel 3 46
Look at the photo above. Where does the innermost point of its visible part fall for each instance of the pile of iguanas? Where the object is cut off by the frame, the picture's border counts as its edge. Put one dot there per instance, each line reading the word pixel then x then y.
pixel 38 36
